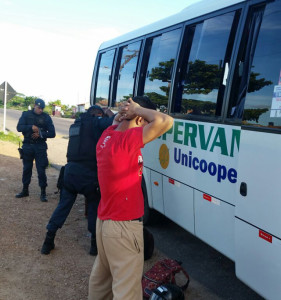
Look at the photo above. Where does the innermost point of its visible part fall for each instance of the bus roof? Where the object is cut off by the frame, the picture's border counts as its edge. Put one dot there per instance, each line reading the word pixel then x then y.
pixel 194 10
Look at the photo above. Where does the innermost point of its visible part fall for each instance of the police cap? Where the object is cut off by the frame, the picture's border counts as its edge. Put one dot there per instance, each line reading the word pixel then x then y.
pixel 40 103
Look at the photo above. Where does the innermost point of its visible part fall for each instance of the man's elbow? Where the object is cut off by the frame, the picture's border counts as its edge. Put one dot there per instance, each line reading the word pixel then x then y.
pixel 168 122
pixel 52 133
pixel 49 134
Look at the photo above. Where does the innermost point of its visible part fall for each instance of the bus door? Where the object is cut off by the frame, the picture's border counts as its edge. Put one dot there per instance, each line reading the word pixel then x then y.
pixel 256 101
pixel 195 194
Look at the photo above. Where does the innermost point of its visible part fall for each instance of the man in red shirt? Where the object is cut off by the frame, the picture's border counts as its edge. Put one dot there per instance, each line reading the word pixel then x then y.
pixel 118 268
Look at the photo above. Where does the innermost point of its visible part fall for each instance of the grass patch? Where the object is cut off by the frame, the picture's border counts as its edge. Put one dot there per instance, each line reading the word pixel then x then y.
pixel 10 137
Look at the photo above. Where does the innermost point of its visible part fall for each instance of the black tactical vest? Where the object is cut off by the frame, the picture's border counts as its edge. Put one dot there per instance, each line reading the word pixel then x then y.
pixel 83 137
pixel 38 120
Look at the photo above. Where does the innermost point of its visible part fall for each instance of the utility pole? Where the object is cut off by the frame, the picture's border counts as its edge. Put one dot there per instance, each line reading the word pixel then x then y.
pixel 8 94
pixel 5 107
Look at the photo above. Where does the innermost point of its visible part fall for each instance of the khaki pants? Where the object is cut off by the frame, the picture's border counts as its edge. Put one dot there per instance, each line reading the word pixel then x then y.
pixel 118 268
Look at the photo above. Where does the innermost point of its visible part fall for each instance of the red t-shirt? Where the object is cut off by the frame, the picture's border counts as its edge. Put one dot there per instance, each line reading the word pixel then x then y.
pixel 120 166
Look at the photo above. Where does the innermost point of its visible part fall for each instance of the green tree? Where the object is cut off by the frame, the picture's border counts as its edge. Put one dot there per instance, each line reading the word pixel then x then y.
pixel 157 99
pixel 29 100
pixel 253 114
pixel 57 102
pixel 16 102
pixel 202 78
pixel 257 84
pixel 163 72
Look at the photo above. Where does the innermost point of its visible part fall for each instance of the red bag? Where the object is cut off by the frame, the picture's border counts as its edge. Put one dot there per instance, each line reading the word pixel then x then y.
pixel 162 272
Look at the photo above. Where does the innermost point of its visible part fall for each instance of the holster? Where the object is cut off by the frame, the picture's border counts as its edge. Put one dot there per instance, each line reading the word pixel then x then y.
pixel 20 152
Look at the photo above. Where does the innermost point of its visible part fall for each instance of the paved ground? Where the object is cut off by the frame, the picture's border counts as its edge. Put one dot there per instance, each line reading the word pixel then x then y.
pixel 57 149
pixel 25 273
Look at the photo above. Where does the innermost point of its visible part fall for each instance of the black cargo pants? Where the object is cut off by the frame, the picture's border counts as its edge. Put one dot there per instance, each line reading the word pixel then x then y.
pixel 37 152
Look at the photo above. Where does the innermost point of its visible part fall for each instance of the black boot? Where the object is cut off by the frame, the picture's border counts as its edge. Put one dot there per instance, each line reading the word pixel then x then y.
pixel 94 249
pixel 43 196
pixel 23 193
pixel 49 243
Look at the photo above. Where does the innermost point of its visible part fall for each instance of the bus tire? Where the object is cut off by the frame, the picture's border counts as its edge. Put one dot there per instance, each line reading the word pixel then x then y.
pixel 150 216
pixel 147 210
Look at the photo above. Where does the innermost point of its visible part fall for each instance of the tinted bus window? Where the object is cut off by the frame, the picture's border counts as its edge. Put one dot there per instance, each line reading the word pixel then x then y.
pixel 200 86
pixel 127 72
pixel 104 77
pixel 159 67
pixel 263 99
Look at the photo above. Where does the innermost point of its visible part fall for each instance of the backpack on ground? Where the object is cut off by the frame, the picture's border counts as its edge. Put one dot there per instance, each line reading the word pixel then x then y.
pixel 163 272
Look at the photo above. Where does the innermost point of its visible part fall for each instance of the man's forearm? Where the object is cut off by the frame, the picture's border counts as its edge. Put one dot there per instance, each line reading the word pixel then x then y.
pixel 158 123
pixel 149 115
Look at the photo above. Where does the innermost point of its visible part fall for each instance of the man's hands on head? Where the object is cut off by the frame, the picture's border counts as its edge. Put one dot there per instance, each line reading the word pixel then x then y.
pixel 157 123
pixel 127 109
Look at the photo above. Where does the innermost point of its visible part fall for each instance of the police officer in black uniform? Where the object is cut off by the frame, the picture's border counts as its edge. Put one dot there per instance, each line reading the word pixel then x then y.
pixel 80 173
pixel 36 126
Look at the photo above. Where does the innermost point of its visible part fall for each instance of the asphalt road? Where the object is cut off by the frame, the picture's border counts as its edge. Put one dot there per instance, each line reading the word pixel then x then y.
pixel 12 117
pixel 212 274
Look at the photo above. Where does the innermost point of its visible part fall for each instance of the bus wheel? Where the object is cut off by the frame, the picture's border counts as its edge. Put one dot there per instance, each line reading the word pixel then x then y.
pixel 150 216
pixel 147 211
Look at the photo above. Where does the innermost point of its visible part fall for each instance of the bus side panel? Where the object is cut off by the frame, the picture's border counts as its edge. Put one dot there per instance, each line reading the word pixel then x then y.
pixel 147 179
pixel 201 155
pixel 157 191
pixel 260 168
pixel 178 203
pixel 258 260
pixel 214 223
pixel 258 207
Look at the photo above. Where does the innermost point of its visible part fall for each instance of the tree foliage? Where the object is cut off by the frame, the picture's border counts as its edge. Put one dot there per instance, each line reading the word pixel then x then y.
pixel 200 78
pixel 257 84
pixel 163 72
pixel 253 114
pixel 22 102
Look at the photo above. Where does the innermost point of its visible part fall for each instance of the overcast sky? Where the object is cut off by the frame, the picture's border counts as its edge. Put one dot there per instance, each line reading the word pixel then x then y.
pixel 48 47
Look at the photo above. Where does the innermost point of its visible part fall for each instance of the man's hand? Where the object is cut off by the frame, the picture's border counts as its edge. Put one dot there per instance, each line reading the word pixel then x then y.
pixel 128 109
pixel 108 112
pixel 35 135
pixel 35 129
pixel 117 119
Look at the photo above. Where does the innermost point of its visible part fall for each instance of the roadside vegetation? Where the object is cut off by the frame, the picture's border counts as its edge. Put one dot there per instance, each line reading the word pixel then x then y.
pixel 10 137
pixel 21 102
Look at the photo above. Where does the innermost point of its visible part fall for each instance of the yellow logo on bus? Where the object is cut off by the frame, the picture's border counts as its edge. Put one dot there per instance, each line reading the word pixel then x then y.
pixel 164 156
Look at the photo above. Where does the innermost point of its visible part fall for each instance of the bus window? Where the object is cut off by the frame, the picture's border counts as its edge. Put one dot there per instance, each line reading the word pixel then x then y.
pixel 160 53
pixel 104 77
pixel 258 97
pixel 203 66
pixel 127 71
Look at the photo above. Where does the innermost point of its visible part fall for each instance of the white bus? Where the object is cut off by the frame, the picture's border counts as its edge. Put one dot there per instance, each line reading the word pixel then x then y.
pixel 216 68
